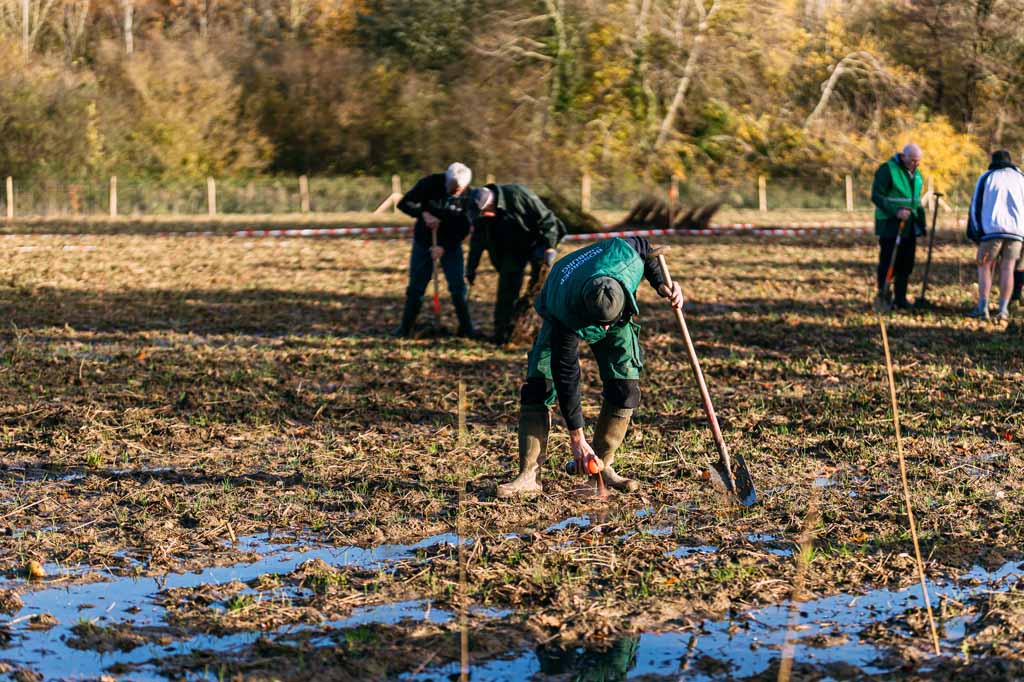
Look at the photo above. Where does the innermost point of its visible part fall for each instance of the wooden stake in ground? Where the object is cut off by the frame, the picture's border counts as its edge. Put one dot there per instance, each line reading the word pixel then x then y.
pixel 462 413
pixel 906 486
pixel 463 622
pixel 803 562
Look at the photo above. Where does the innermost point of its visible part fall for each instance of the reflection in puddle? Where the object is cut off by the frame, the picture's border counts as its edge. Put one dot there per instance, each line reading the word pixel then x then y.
pixel 130 601
pixel 578 521
pixel 686 551
pixel 750 643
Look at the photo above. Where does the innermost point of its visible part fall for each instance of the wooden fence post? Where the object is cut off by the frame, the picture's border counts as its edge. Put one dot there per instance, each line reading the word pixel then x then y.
pixel 10 198
pixel 396 191
pixel 113 196
pixel 304 194
pixel 849 193
pixel 211 196
pixel 585 193
pixel 673 200
pixel 762 193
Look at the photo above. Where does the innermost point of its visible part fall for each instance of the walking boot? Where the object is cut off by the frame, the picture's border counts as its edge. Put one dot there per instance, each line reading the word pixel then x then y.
pixel 1018 283
pixel 466 328
pixel 881 303
pixel 899 288
pixel 612 424
pixel 534 424
pixel 409 314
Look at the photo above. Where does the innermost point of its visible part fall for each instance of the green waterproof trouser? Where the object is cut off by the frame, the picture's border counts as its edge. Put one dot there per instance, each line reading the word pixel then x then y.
pixel 618 355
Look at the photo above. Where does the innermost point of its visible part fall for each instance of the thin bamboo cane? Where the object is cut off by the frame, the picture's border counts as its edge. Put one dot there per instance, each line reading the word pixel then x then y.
pixel 906 486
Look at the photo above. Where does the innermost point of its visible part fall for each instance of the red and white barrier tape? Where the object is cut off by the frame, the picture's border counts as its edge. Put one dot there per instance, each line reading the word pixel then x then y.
pixel 719 231
pixel 323 232
pixel 716 229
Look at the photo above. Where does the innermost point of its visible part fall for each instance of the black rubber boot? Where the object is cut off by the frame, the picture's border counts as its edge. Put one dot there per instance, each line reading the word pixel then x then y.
pixel 899 288
pixel 466 328
pixel 409 314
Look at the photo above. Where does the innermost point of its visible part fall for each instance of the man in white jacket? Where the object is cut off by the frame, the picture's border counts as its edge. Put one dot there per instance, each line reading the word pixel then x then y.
pixel 996 223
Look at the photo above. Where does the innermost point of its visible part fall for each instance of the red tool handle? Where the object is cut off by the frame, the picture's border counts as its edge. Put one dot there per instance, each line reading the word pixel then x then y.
pixel 892 261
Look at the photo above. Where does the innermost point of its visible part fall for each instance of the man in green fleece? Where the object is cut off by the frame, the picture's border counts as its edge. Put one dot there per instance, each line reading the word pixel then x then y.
pixel 896 194
pixel 514 226
pixel 590 295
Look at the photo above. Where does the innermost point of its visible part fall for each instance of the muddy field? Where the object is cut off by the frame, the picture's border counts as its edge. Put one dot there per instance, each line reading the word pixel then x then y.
pixel 218 465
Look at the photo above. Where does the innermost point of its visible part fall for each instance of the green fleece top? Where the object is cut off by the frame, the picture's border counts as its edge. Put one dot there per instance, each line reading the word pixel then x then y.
pixel 892 189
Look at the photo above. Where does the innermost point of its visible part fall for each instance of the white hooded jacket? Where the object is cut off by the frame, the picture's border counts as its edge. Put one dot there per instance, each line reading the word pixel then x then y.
pixel 997 209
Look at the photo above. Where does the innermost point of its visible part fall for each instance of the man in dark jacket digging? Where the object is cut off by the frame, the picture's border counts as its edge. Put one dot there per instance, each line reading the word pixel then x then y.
pixel 514 226
pixel 590 295
pixel 896 194
pixel 434 203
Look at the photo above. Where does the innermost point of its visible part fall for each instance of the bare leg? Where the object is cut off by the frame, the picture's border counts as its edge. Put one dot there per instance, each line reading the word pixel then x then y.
pixel 984 282
pixel 1006 268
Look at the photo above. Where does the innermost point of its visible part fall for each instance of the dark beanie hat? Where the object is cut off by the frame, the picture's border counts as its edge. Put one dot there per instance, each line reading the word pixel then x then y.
pixel 604 300
pixel 1001 156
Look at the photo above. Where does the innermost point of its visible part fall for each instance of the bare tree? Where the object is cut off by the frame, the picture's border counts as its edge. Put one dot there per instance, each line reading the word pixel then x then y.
pixel 704 18
pixel 861 65
pixel 128 26
pixel 27 18
pixel 70 25
pixel 297 12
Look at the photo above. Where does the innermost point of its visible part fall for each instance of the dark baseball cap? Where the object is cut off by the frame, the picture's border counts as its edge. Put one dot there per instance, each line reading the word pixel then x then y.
pixel 1001 156
pixel 479 198
pixel 604 300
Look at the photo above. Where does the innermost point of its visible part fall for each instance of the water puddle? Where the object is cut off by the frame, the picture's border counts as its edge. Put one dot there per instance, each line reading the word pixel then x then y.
pixel 130 600
pixel 750 643
pixel 578 521
pixel 687 550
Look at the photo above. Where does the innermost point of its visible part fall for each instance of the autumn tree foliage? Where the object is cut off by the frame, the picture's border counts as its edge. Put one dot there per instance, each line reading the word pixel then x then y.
pixel 711 91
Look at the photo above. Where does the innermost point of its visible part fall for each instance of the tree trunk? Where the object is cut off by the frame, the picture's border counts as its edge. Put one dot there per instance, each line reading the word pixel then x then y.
pixel 129 19
pixel 688 71
pixel 24 25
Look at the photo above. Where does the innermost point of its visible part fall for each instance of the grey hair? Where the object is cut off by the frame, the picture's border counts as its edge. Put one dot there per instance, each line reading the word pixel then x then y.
pixel 458 176
pixel 912 150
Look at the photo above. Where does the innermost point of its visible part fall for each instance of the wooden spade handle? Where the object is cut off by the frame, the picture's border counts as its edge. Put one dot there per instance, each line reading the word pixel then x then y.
pixel 709 409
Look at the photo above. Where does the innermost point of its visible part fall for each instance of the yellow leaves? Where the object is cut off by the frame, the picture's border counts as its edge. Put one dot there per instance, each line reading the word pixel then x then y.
pixel 948 155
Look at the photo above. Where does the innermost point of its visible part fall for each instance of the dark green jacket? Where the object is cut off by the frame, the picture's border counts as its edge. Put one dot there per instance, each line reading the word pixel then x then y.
pixel 522 228
pixel 892 189
pixel 561 299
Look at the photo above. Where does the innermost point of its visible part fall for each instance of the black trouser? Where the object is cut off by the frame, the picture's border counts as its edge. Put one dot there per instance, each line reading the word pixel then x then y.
pixel 904 257
pixel 511 269
pixel 621 393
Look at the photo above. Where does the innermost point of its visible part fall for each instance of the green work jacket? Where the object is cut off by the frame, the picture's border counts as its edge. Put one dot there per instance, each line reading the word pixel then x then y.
pixel 561 299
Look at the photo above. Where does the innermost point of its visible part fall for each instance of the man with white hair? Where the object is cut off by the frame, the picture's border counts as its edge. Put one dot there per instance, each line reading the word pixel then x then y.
pixel 896 194
pixel 996 223
pixel 434 203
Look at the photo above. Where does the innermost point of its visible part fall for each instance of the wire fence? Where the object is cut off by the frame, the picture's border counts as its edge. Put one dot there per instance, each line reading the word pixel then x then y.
pixel 364 194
